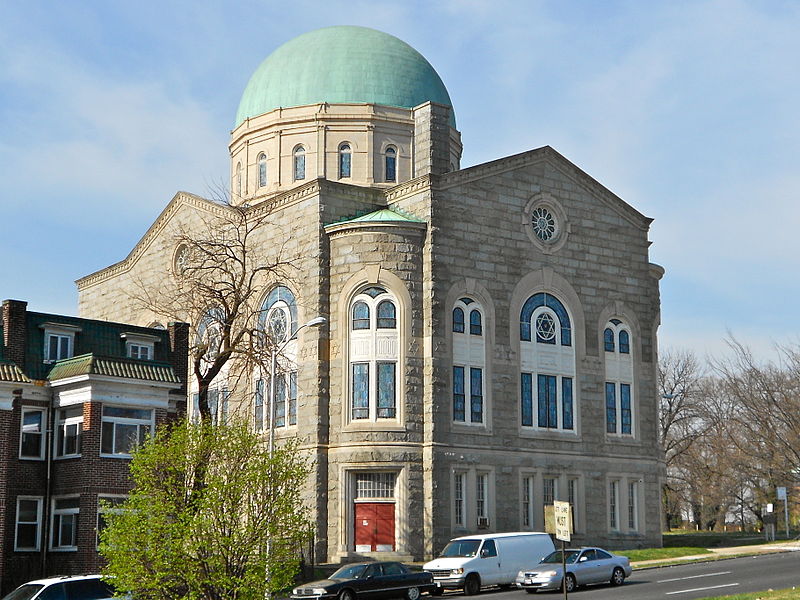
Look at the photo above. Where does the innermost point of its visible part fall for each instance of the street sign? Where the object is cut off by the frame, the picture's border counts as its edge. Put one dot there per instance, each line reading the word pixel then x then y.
pixel 563 520
pixel 781 493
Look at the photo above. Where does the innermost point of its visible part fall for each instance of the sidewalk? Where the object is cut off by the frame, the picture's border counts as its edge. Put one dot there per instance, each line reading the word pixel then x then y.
pixel 720 553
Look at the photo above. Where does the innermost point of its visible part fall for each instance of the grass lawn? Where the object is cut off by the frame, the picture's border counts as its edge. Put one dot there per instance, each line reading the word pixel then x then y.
pixel 662 553
pixel 790 594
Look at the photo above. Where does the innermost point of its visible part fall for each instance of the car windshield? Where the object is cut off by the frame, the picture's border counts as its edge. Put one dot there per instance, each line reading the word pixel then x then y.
pixel 349 572
pixel 461 548
pixel 24 592
pixel 555 557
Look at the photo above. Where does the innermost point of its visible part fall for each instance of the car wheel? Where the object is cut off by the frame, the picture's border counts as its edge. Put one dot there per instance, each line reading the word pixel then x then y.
pixel 472 586
pixel 618 576
pixel 347 595
pixel 570 583
pixel 412 593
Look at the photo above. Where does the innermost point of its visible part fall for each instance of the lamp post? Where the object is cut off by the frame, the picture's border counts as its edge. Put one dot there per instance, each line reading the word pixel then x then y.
pixel 276 350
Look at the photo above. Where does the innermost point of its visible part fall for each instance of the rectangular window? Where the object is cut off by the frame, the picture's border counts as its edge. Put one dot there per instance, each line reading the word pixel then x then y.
pixel 299 167
pixel 140 351
pixel 280 400
pixel 633 503
pixel 476 394
pixel 572 498
pixel 459 398
pixel 258 405
pixel 458 498
pixel 386 390
pixel 549 491
pixel 64 523
pixel 566 402
pixel 31 443
pixel 29 523
pixel 548 402
pixel 611 407
pixel 625 407
pixel 527 400
pixel 481 494
pixel 344 164
pixel 57 346
pixel 375 485
pixel 613 505
pixel 125 428
pixel 69 431
pixel 360 391
pixel 527 502
pixel 107 505
pixel 292 401
pixel 217 405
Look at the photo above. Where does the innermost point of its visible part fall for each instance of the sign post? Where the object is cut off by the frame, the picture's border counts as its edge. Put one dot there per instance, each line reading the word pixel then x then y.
pixel 563 519
pixel 782 496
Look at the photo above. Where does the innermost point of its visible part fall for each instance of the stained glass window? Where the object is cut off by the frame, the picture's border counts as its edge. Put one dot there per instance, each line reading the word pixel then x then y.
pixel 360 390
pixel 360 316
pixel 262 170
pixel 566 402
pixel 548 402
pixel 624 342
pixel 391 164
pixel 387 315
pixel 476 395
pixel 625 407
pixel 527 399
pixel 459 399
pixel 386 390
pixel 344 161
pixel 299 163
pixel 475 325
pixel 608 340
pixel 544 224
pixel 458 320
pixel 611 407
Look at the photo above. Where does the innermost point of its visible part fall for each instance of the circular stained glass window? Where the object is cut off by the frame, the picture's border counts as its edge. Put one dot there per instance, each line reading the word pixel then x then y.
pixel 277 325
pixel 545 327
pixel 544 224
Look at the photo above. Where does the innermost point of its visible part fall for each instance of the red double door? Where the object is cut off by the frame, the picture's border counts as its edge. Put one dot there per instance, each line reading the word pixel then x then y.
pixel 374 526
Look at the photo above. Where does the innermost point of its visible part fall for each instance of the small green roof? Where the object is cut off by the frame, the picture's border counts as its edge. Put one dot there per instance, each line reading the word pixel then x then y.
pixel 340 65
pixel 90 364
pixel 384 214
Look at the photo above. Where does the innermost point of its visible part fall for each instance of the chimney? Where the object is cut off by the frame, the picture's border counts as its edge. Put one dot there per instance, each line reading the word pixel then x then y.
pixel 179 351
pixel 14 331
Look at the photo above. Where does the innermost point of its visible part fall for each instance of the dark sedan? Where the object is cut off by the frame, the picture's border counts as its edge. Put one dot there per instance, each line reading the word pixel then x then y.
pixel 368 581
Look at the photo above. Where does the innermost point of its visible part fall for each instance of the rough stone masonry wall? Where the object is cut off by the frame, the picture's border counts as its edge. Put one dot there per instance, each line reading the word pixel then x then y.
pixel 396 252
pixel 478 234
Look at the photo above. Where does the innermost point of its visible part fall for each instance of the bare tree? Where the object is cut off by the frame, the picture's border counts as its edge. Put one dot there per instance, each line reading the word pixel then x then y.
pixel 222 269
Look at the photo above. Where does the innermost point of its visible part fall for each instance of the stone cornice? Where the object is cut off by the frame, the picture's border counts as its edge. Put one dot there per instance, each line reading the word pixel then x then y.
pixel 362 226
pixel 549 155
pixel 408 188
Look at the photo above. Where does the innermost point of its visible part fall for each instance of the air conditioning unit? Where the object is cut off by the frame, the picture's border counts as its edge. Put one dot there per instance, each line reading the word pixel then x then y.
pixel 483 522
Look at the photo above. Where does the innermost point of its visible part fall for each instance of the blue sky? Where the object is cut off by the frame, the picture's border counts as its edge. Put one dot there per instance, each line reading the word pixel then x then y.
pixel 687 110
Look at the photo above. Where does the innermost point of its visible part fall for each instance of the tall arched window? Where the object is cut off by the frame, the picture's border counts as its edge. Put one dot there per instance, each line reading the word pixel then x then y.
pixel 469 358
pixel 547 359
pixel 209 334
pixel 374 353
pixel 239 180
pixel 278 322
pixel 390 160
pixel 299 163
pixel 262 170
pixel 345 155
pixel 619 378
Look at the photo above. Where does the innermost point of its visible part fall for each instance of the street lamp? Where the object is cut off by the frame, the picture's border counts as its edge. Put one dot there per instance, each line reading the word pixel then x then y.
pixel 276 350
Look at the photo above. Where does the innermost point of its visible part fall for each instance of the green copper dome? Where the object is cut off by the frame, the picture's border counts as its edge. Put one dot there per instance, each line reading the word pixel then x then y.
pixel 342 64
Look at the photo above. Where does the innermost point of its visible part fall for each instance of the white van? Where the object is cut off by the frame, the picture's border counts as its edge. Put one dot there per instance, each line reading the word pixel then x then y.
pixel 473 561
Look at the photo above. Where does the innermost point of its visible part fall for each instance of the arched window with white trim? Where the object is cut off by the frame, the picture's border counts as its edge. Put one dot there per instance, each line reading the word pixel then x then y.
pixel 278 322
pixel 469 363
pixel 299 157
pixel 209 337
pixel 619 378
pixel 547 361
pixel 374 355
pixel 390 164
pixel 262 170
pixel 345 161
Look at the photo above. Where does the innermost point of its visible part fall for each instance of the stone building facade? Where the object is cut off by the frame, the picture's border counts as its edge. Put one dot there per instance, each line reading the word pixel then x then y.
pixel 490 343
pixel 75 395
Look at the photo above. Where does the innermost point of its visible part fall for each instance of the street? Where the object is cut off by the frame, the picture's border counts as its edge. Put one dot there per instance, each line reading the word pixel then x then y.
pixel 693 581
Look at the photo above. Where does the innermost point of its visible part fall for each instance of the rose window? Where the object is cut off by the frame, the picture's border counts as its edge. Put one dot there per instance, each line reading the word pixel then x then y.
pixel 544 224
pixel 545 327
pixel 277 325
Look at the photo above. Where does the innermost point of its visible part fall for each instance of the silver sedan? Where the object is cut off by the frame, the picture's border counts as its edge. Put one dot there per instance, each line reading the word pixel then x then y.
pixel 584 566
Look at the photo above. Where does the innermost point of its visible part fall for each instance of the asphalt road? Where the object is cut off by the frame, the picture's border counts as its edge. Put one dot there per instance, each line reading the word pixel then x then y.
pixel 687 582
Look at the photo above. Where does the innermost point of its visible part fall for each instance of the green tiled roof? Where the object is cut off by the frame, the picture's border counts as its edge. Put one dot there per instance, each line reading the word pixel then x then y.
pixel 383 215
pixel 11 372
pixel 342 64
pixel 91 364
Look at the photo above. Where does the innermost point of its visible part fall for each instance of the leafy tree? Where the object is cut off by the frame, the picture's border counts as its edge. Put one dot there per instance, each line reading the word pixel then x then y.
pixel 174 539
